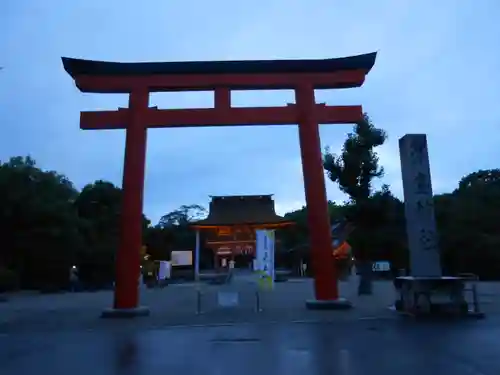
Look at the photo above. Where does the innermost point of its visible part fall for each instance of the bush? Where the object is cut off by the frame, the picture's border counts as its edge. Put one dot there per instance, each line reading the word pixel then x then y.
pixel 8 280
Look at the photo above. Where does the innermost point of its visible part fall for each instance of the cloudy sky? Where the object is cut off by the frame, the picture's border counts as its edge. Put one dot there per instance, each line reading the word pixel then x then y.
pixel 437 72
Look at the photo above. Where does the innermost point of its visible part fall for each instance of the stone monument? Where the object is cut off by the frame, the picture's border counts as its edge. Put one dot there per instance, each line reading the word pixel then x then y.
pixel 419 207
pixel 425 290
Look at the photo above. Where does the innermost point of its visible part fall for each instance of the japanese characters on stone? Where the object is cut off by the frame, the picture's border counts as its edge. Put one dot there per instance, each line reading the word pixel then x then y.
pixel 418 148
pixel 428 239
pixel 422 183
pixel 423 204
pixel 419 206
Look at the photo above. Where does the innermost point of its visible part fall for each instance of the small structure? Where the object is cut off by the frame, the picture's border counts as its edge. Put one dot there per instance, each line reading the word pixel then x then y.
pixel 231 224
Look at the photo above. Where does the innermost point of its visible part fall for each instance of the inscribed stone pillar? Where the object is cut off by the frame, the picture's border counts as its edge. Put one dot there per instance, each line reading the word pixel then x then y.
pixel 419 207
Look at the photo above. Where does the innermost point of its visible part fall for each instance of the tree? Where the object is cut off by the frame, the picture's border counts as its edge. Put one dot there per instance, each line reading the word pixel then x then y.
pixel 39 226
pixel 46 225
pixel 388 232
pixel 354 170
pixel 482 178
pixel 159 242
pixel 173 231
pixel 184 215
pixel 178 221
pixel 358 164
pixel 468 225
pixel 99 208
pixel 295 239
pixel 297 235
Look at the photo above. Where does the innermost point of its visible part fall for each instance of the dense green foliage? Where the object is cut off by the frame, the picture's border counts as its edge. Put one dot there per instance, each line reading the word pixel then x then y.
pixel 39 224
pixel 354 171
pixel 467 222
pixel 47 226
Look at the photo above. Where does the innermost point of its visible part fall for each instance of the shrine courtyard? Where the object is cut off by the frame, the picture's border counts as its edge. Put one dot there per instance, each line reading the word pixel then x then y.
pixel 182 305
pixel 63 333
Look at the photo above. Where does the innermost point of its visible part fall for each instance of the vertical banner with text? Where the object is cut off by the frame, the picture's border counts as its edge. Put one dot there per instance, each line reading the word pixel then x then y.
pixel 265 257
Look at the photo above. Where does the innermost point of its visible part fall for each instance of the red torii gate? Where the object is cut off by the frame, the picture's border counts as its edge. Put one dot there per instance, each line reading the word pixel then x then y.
pixel 140 79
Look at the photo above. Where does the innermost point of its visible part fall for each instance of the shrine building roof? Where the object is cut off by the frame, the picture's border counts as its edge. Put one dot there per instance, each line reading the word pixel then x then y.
pixel 77 67
pixel 253 210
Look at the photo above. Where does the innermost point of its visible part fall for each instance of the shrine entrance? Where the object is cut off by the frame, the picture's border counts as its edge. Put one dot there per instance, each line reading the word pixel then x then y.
pixel 140 79
pixel 244 260
pixel 230 226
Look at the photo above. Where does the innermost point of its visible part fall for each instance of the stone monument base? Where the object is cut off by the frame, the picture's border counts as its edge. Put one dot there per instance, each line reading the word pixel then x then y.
pixel 334 304
pixel 441 314
pixel 125 313
pixel 442 296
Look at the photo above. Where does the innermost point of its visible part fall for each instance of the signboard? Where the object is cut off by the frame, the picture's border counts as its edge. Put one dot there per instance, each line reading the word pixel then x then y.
pixel 265 257
pixel 227 299
pixel 181 258
pixel 224 250
pixel 381 266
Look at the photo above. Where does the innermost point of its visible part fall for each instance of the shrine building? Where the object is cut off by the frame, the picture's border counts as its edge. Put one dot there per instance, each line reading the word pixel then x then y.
pixel 229 229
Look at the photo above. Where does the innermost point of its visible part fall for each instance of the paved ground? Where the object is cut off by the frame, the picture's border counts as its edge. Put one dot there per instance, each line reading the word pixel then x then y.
pixel 58 334
pixel 385 347
pixel 178 305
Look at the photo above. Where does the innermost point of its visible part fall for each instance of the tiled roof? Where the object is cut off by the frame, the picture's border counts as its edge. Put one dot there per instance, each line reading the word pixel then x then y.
pixel 241 210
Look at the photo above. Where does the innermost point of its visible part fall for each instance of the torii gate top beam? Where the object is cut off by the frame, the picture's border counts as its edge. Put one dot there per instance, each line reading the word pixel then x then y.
pixel 112 77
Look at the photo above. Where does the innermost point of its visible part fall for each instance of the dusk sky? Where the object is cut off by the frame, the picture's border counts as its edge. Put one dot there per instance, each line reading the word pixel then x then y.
pixel 437 72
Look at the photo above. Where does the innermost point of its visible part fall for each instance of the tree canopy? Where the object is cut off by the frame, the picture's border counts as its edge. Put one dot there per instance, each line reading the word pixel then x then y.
pixel 354 171
pixel 39 224
pixel 358 164
pixel 48 226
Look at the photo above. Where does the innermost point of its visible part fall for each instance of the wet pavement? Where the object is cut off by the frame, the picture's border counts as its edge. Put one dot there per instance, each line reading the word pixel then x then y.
pixel 62 334
pixel 378 346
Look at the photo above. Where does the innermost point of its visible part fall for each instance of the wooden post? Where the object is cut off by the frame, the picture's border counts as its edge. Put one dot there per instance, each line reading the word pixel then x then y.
pixel 320 240
pixel 197 257
pixel 128 258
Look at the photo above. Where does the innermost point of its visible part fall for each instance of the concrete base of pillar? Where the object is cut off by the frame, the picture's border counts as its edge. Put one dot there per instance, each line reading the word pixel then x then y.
pixel 335 304
pixel 125 313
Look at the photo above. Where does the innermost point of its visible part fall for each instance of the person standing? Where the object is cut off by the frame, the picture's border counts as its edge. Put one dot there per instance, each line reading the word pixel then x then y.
pixel 304 269
pixel 73 279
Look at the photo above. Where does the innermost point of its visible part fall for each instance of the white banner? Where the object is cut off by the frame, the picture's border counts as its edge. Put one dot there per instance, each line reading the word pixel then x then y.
pixel 265 256
pixel 164 270
pixel 181 258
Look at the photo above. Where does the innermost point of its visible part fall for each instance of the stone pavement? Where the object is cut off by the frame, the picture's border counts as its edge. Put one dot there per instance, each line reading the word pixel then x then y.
pixel 61 334
pixel 385 347
pixel 178 305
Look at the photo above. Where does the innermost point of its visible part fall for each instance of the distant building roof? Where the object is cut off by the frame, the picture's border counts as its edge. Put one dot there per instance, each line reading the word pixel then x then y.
pixel 256 210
